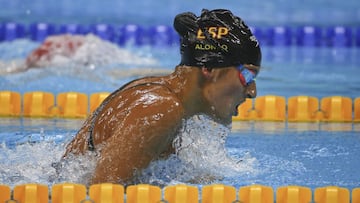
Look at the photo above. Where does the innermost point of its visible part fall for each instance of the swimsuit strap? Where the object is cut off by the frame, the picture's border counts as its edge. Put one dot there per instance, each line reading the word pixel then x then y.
pixel 91 145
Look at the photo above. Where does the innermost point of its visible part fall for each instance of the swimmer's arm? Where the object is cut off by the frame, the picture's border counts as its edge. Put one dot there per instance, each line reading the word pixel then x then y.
pixel 147 133
pixel 79 144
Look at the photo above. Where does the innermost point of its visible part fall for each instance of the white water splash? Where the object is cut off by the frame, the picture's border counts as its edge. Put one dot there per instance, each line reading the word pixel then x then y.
pixel 28 162
pixel 203 144
pixel 201 157
pixel 93 53
pixel 97 52
pixel 77 169
pixel 33 162
pixel 16 65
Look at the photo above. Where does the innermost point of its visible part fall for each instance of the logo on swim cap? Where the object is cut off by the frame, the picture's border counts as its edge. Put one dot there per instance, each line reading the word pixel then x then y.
pixel 215 32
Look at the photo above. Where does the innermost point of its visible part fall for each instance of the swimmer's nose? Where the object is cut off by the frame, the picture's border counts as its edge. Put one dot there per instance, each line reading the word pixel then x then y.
pixel 251 90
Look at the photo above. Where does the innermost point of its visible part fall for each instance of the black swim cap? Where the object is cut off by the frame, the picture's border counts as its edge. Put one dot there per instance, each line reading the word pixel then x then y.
pixel 216 39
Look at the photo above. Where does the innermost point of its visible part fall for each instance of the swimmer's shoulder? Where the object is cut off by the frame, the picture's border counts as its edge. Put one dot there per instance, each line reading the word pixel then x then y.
pixel 137 82
pixel 152 84
pixel 141 83
pixel 129 85
pixel 159 87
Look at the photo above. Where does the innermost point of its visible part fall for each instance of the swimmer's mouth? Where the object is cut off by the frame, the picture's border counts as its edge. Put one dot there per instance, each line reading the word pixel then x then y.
pixel 236 112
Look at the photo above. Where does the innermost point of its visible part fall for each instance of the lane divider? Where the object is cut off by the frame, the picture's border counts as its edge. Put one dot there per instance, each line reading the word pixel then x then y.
pixel 164 35
pixel 181 193
pixel 300 108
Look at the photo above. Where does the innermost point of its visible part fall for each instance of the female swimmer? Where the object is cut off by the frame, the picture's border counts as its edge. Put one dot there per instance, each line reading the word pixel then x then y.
pixel 137 123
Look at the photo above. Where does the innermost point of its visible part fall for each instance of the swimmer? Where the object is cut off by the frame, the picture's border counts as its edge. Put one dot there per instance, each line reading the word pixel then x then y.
pixel 54 46
pixel 81 50
pixel 137 123
pixel 72 51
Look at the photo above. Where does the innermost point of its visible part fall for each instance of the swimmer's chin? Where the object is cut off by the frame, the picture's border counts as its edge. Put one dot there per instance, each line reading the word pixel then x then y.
pixel 225 121
pixel 225 118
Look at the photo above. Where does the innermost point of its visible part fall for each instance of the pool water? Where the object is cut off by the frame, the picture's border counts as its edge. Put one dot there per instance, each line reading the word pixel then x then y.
pixel 320 154
pixel 268 153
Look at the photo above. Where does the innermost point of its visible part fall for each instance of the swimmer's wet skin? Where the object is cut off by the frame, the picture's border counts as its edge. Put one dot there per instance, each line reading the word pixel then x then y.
pixel 137 123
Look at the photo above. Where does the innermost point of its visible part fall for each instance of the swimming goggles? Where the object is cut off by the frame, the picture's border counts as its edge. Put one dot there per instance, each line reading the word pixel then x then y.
pixel 246 76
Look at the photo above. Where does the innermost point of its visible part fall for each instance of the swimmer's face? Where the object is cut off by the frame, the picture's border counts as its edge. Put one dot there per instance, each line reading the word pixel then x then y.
pixel 226 91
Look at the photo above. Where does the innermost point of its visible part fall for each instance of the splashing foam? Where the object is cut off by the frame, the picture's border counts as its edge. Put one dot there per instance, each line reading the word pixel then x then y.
pixel 27 163
pixel 34 163
pixel 74 51
pixel 88 50
pixel 96 51
pixel 201 156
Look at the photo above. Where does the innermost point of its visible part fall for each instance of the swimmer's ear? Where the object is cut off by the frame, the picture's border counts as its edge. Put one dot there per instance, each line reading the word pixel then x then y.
pixel 206 72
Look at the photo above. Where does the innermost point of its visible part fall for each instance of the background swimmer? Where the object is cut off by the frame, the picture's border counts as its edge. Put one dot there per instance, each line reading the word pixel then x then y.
pixel 137 123
pixel 76 51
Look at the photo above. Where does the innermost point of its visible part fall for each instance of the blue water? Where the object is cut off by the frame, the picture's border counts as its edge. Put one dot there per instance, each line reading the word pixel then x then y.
pixel 319 154
pixel 273 154
pixel 286 71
